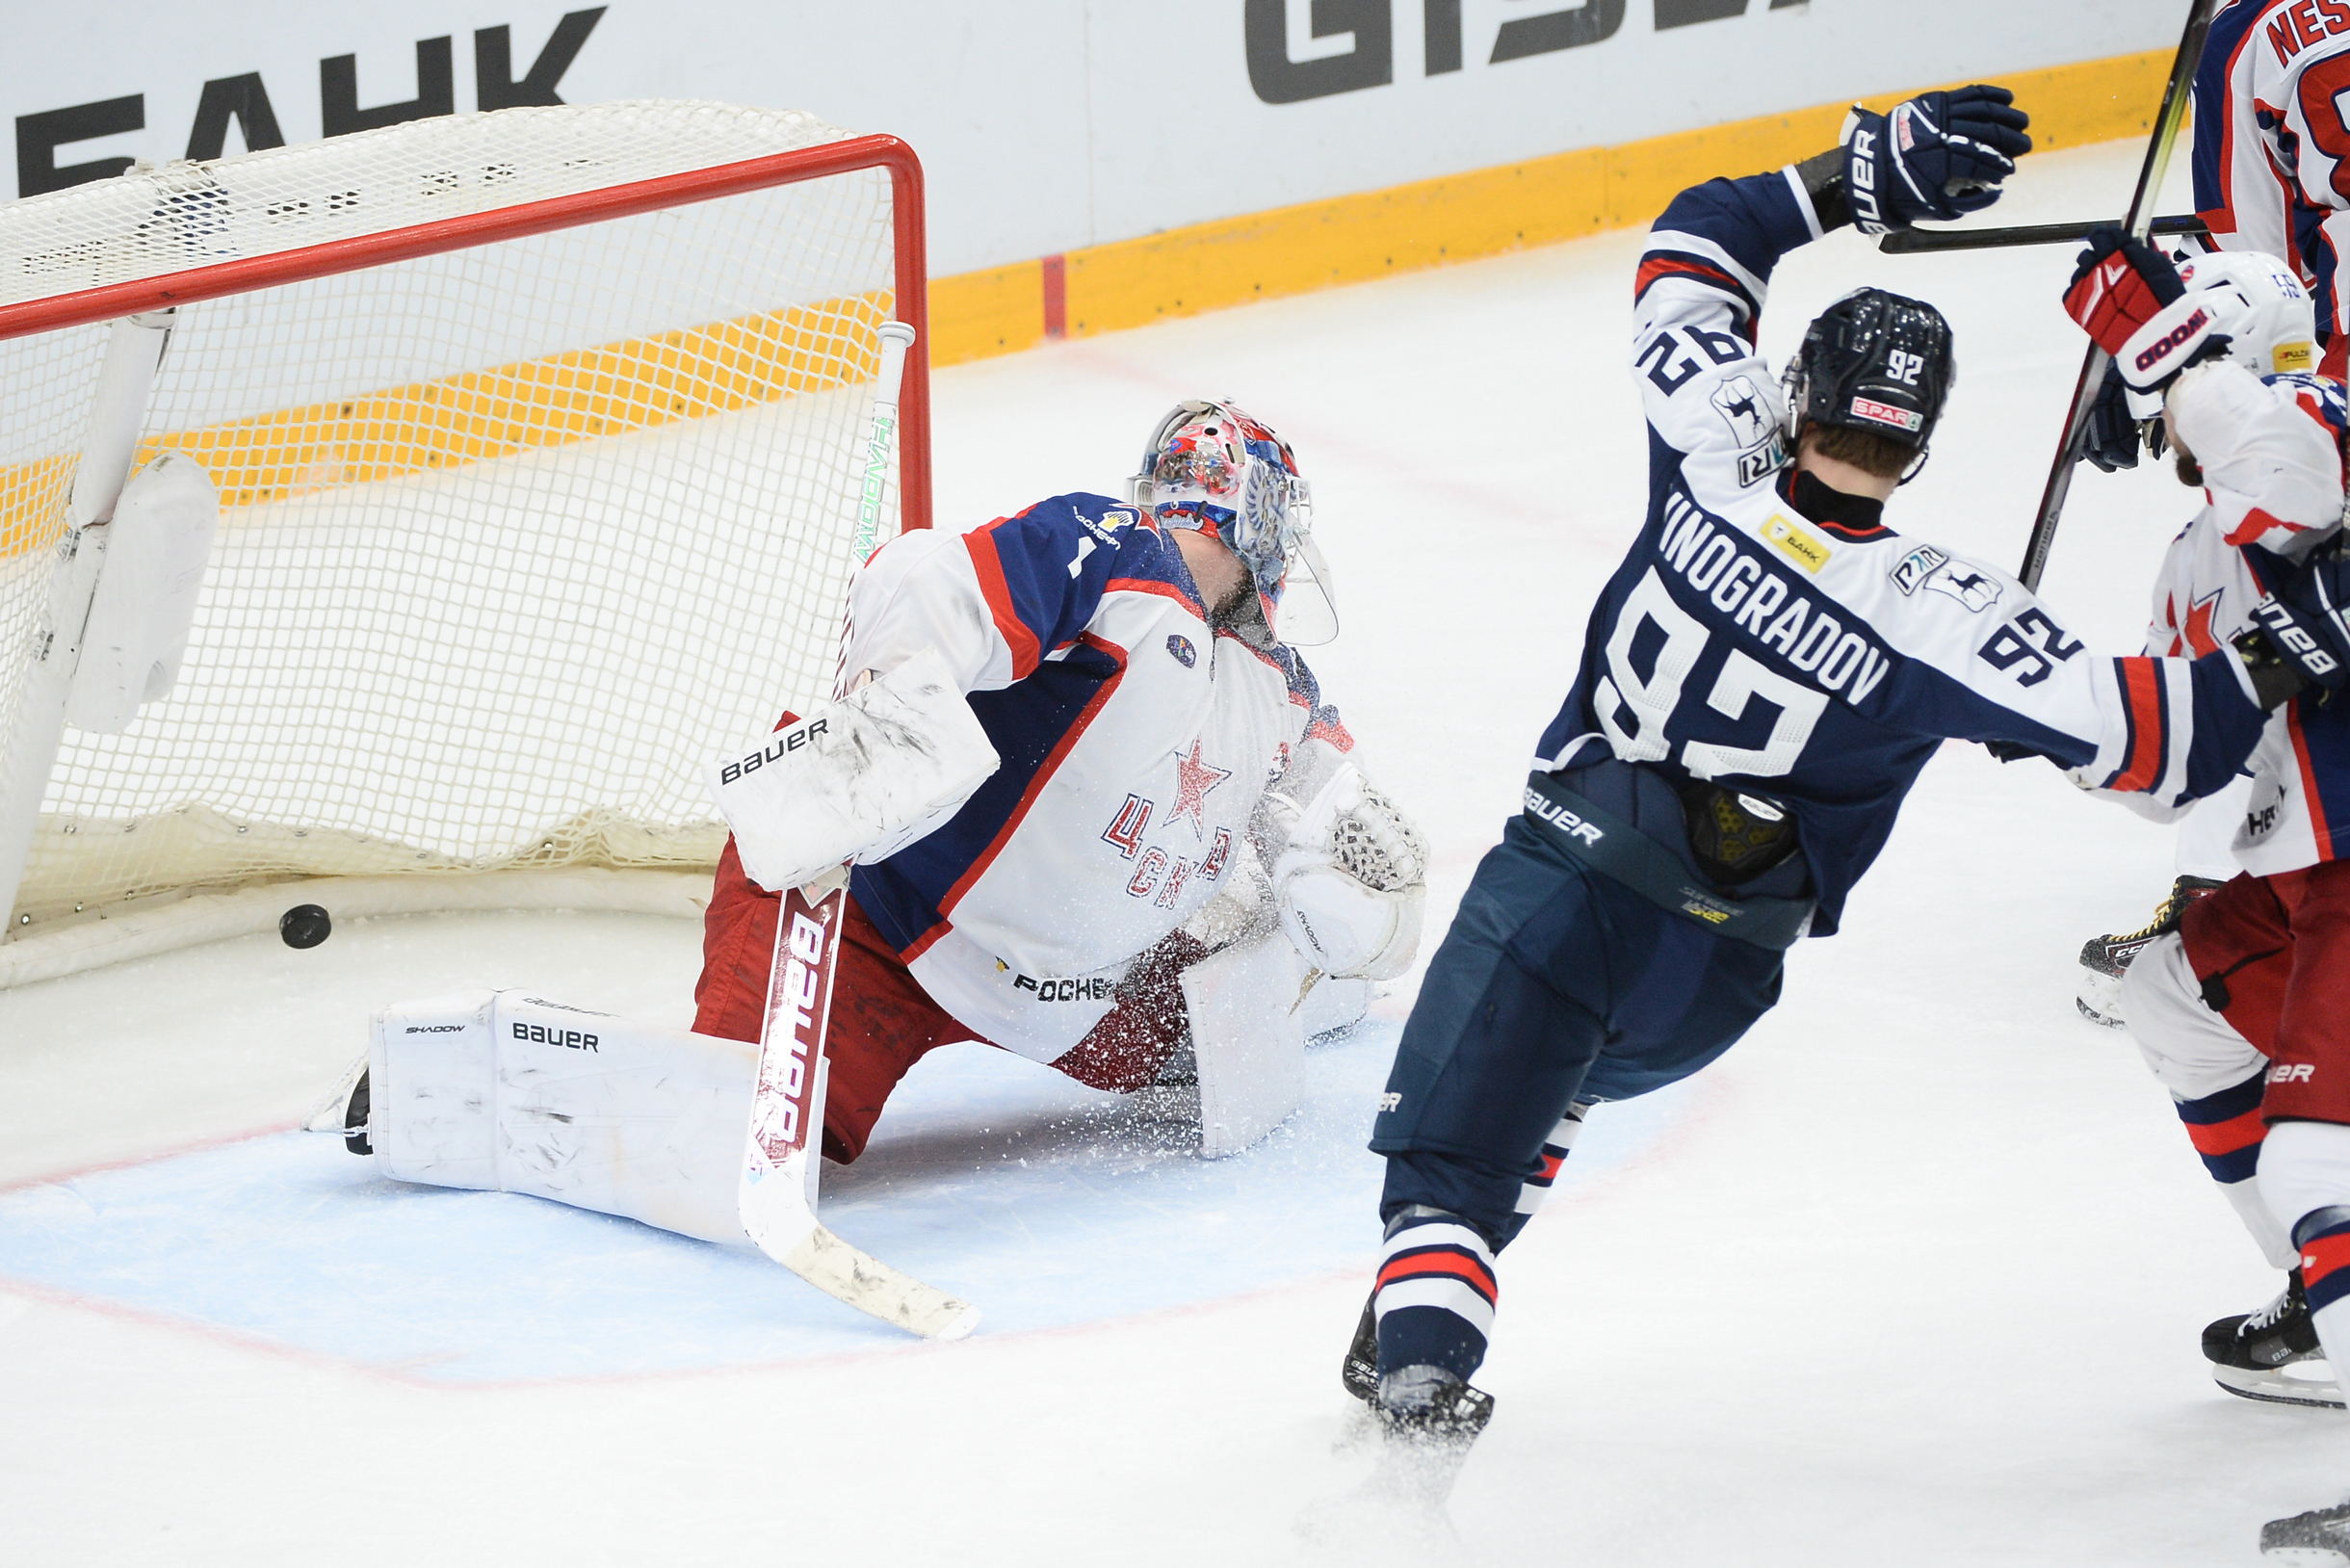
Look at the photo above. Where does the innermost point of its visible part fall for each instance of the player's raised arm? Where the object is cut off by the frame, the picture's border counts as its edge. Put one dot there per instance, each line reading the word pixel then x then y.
pixel 1704 279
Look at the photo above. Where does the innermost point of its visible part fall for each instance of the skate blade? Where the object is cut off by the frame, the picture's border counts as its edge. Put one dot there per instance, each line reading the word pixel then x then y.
pixel 2314 1386
pixel 326 1116
pixel 2315 1557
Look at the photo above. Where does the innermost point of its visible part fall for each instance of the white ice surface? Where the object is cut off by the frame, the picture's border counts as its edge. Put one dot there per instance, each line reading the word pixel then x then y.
pixel 1912 1276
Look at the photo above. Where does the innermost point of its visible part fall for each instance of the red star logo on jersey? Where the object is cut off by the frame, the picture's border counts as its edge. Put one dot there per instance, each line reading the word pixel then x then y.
pixel 1194 779
pixel 2198 629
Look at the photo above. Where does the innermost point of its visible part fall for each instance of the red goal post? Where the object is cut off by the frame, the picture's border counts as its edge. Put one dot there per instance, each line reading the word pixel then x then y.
pixel 107 302
pixel 527 508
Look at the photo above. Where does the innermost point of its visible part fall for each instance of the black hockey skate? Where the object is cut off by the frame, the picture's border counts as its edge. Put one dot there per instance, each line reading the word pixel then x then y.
pixel 354 1119
pixel 2104 959
pixel 2250 1354
pixel 1359 1368
pixel 2321 1536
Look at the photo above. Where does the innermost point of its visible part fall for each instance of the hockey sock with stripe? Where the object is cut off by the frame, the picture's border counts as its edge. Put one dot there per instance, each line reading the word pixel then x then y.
pixel 1434 1301
pixel 2226 1131
pixel 2305 1175
pixel 1555 1150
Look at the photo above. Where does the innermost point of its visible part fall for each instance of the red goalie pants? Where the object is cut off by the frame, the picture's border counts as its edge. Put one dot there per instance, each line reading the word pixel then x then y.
pixel 883 1021
pixel 2273 952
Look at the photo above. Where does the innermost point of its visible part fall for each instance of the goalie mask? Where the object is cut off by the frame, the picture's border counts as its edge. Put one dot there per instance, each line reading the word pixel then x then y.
pixel 1211 466
pixel 1873 361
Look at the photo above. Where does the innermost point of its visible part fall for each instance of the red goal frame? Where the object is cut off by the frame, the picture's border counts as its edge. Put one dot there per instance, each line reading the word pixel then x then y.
pixel 246 274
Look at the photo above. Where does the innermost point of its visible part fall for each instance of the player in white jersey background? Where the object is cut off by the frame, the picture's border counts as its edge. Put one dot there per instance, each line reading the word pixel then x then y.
pixel 2203 594
pixel 2266 449
pixel 2242 1010
pixel 2272 178
pixel 1163 751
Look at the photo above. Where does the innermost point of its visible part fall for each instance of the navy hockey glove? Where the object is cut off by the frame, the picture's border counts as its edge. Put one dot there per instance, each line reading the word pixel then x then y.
pixel 2128 297
pixel 2293 645
pixel 1938 155
pixel 2112 439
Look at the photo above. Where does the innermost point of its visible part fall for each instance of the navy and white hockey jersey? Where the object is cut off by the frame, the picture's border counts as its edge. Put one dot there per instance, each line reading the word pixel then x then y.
pixel 1137 743
pixel 1822 663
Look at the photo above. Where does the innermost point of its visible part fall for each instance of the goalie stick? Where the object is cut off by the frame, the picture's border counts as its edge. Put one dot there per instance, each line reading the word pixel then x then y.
pixel 2174 109
pixel 781 1157
pixel 1916 241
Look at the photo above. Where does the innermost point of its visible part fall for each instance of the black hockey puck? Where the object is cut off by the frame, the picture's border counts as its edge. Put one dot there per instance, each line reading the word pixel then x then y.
pixel 305 926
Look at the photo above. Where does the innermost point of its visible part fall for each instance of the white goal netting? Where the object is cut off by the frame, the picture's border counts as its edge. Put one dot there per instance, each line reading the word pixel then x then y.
pixel 513 538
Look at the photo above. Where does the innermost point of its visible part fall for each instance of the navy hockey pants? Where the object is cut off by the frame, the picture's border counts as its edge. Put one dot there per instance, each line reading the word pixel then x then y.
pixel 1555 986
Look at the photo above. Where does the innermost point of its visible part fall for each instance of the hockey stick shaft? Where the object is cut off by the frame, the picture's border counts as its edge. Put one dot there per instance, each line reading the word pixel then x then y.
pixel 778 1192
pixel 896 337
pixel 1913 242
pixel 777 1197
pixel 2157 163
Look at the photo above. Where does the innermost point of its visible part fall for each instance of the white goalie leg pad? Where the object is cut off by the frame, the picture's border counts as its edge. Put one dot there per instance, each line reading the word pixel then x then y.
pixel 857 779
pixel 1343 927
pixel 505 1092
pixel 1334 1004
pixel 1248 1036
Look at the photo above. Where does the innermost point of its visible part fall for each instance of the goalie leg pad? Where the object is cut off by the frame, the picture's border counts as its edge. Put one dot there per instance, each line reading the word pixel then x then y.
pixel 1248 1034
pixel 502 1091
pixel 1343 928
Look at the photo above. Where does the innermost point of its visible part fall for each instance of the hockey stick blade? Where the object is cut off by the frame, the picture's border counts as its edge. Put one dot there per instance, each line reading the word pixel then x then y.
pixel 868 1284
pixel 1915 242
pixel 776 1197
pixel 2167 120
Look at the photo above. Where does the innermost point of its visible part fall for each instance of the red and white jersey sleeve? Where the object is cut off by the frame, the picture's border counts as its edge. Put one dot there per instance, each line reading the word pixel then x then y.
pixel 2271 455
pixel 1137 743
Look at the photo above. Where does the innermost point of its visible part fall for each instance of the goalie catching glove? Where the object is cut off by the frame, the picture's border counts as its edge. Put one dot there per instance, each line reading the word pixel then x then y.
pixel 1350 883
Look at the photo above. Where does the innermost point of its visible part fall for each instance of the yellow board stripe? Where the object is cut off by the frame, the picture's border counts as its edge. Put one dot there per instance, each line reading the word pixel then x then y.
pixel 430 426
pixel 638 383
pixel 1461 216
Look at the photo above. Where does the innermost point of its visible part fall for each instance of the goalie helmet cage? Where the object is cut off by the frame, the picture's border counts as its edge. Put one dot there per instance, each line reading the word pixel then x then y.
pixel 540 438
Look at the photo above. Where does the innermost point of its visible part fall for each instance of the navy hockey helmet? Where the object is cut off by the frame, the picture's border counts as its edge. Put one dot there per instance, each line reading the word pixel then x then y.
pixel 1873 361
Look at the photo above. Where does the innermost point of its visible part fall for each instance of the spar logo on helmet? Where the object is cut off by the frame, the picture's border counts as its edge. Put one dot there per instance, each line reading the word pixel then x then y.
pixel 1885 413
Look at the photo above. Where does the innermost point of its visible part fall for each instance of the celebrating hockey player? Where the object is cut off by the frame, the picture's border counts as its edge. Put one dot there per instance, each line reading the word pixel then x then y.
pixel 2239 1010
pixel 2262 436
pixel 2269 141
pixel 1162 746
pixel 1762 680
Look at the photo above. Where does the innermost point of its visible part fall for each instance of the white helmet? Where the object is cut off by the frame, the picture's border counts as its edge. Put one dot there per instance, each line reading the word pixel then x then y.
pixel 2261 307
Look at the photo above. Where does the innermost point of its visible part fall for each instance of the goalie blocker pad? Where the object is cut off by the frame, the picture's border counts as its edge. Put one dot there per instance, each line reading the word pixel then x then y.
pixel 504 1092
pixel 857 779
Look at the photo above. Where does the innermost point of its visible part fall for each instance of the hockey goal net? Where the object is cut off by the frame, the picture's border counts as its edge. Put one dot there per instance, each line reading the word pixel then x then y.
pixel 539 438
